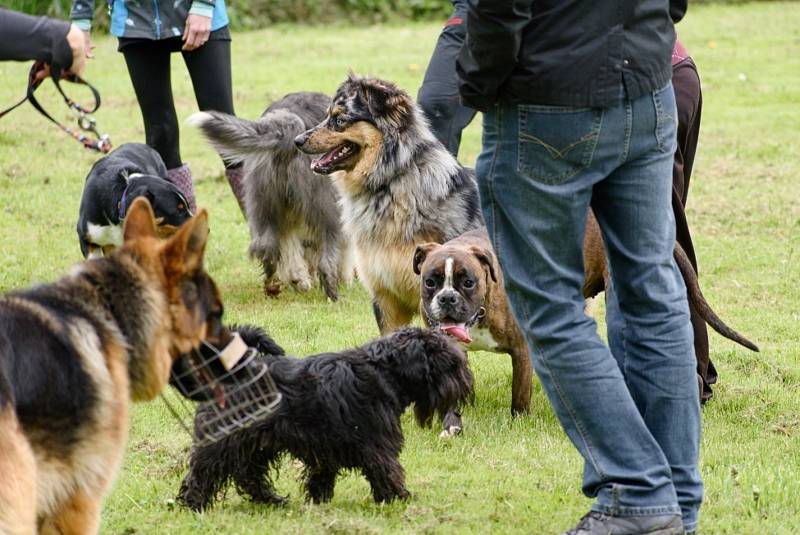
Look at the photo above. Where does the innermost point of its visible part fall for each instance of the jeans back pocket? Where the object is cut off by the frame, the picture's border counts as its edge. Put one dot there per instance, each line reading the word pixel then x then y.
pixel 556 142
pixel 666 122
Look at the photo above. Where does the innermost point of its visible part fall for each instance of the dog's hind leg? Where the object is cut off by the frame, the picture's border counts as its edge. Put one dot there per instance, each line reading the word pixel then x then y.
pixel 18 480
pixel 329 264
pixel 386 477
pixel 319 482
pixel 253 478
pixel 264 247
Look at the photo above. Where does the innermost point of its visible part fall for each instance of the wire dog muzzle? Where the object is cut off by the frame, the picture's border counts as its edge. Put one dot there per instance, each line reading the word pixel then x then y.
pixel 234 383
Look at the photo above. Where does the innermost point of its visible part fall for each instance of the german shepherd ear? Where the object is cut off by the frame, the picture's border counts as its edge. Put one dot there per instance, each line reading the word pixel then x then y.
pixel 183 253
pixel 485 257
pixel 139 221
pixel 421 253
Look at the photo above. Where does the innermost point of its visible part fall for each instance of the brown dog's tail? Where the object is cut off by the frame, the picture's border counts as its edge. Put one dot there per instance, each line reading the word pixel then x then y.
pixel 701 305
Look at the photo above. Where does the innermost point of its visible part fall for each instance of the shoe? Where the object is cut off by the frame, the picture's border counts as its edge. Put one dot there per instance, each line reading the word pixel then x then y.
pixel 596 523
pixel 182 178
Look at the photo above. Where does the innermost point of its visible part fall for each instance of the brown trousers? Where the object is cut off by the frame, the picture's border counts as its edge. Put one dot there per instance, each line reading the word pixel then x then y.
pixel 688 96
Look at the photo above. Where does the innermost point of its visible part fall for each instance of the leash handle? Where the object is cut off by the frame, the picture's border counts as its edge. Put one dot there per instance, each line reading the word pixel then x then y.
pixel 102 143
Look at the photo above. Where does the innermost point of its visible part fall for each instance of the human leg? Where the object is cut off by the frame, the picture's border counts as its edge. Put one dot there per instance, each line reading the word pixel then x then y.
pixel 535 175
pixel 438 96
pixel 210 70
pixel 648 316
pixel 689 100
pixel 149 68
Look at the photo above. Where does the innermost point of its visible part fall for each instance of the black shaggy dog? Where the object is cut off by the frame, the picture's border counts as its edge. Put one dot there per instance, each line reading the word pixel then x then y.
pixel 339 411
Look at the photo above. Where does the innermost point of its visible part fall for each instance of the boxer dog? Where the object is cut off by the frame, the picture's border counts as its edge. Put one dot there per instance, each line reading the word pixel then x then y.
pixel 462 294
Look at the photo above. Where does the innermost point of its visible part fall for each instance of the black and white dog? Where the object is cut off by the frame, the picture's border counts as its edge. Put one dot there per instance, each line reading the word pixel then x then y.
pixel 338 411
pixel 130 171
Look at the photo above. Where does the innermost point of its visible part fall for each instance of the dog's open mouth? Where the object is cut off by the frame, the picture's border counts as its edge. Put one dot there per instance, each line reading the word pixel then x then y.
pixel 459 331
pixel 334 158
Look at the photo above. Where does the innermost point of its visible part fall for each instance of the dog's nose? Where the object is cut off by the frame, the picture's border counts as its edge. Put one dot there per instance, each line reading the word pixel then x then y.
pixel 449 298
pixel 300 140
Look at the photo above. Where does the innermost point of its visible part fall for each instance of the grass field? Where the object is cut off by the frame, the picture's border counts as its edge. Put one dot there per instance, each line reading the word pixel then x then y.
pixel 502 475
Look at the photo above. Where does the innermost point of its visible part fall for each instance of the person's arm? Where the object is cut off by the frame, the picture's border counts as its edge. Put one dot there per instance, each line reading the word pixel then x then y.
pixel 55 42
pixel 198 24
pixel 489 55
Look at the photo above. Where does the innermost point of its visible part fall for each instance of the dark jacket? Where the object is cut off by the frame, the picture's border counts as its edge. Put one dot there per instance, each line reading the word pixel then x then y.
pixel 566 52
pixel 23 37
pixel 151 19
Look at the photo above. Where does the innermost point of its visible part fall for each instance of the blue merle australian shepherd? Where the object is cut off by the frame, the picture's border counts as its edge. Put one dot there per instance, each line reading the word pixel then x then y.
pixel 398 187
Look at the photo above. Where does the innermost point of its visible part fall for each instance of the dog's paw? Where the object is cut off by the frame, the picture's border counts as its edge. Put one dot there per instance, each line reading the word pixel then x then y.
pixel 272 289
pixel 450 431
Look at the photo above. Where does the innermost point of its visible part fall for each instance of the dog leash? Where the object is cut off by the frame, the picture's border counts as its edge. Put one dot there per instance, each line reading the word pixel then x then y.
pixel 86 122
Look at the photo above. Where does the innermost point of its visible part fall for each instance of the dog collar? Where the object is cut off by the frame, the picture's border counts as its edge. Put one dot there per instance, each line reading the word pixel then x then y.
pixel 122 207
pixel 477 317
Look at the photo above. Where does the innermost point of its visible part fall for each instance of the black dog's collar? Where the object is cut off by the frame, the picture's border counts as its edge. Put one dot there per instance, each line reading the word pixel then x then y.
pixel 122 204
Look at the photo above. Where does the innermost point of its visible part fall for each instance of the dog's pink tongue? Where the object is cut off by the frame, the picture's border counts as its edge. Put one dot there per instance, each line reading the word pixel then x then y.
pixel 458 331
pixel 323 160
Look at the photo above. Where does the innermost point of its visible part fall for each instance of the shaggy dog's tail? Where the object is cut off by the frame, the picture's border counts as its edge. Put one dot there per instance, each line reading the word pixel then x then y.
pixel 235 139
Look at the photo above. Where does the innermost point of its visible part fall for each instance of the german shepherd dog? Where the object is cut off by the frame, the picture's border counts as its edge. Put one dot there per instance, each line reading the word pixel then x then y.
pixel 294 219
pixel 72 355
pixel 398 186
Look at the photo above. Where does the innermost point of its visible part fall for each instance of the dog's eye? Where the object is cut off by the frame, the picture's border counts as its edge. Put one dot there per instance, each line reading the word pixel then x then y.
pixel 468 284
pixel 337 121
pixel 430 283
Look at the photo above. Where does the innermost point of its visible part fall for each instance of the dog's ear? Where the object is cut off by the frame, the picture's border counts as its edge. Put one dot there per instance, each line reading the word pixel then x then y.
pixel 183 253
pixel 386 101
pixel 485 257
pixel 258 338
pixel 139 221
pixel 421 253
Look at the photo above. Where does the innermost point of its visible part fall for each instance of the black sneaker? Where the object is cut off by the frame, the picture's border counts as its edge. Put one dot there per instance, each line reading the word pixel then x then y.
pixel 595 523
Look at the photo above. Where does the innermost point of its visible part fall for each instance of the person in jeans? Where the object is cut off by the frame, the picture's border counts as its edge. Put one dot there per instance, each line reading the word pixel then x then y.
pixel 448 117
pixel 579 112
pixel 149 32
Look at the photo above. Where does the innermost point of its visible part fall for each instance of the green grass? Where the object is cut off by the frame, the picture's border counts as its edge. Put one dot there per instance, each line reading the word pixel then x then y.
pixel 502 475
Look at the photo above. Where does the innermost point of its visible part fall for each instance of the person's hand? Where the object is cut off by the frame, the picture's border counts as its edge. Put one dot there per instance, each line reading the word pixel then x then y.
pixel 196 31
pixel 80 49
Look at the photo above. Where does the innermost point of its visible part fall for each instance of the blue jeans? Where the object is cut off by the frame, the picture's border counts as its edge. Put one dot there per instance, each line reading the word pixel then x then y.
pixel 634 415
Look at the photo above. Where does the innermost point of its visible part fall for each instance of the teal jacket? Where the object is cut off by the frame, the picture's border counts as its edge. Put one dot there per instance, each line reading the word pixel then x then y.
pixel 151 19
